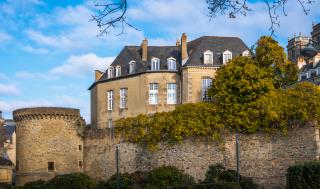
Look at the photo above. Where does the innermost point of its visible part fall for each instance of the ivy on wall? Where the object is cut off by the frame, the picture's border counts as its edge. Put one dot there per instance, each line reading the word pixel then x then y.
pixel 250 95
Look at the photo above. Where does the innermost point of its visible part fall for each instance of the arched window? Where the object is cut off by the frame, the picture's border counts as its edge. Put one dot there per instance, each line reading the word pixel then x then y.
pixel 246 53
pixel 208 57
pixel 155 64
pixel 110 72
pixel 227 55
pixel 132 67
pixel 118 71
pixel 172 64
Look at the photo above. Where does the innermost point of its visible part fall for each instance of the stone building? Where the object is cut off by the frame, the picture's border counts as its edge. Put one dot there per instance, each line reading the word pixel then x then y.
pixel 309 68
pixel 147 79
pixel 49 142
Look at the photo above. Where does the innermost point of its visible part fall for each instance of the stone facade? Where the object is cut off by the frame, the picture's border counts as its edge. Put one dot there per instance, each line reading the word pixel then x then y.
pixel 48 136
pixel 263 157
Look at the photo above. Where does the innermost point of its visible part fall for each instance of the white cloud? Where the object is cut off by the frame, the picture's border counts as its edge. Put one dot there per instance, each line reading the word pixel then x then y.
pixel 8 89
pixel 83 64
pixel 32 75
pixel 31 49
pixel 4 36
pixel 13 105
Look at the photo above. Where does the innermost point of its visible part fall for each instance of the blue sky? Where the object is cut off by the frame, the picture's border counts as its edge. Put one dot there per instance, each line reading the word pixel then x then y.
pixel 48 49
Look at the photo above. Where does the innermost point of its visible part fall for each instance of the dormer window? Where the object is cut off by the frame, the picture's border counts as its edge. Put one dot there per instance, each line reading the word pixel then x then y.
pixel 172 64
pixel 227 55
pixel 155 64
pixel 132 67
pixel 110 72
pixel 208 57
pixel 246 53
pixel 118 71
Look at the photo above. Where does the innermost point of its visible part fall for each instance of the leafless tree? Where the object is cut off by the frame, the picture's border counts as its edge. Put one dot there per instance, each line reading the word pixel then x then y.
pixel 111 14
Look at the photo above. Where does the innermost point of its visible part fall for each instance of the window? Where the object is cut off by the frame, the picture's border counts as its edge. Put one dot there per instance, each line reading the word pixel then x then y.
pixel 118 71
pixel 153 93
pixel 132 67
pixel 50 166
pixel 227 55
pixel 172 65
pixel 206 83
pixel 246 53
pixel 110 123
pixel 208 57
pixel 80 147
pixel 155 64
pixel 110 100
pixel 171 93
pixel 110 72
pixel 80 164
pixel 123 98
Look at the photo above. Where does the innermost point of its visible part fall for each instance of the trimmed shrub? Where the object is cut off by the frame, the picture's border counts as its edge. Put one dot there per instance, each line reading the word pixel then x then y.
pixel 304 176
pixel 40 184
pixel 218 174
pixel 126 181
pixel 166 176
pixel 71 181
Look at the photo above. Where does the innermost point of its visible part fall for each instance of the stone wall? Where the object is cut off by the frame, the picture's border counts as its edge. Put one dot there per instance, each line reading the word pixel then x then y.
pixel 263 157
pixel 47 135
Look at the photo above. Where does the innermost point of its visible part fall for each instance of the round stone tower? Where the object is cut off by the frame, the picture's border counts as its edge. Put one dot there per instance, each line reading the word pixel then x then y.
pixel 49 142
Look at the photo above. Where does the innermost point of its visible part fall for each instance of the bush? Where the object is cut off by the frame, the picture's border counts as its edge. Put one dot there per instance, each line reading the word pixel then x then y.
pixel 218 174
pixel 304 176
pixel 71 181
pixel 126 181
pixel 169 176
pixel 40 184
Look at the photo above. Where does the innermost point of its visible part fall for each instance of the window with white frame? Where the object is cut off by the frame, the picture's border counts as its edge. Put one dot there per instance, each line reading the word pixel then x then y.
pixel 132 67
pixel 246 53
pixel 208 57
pixel 123 98
pixel 227 55
pixel 206 83
pixel 110 100
pixel 118 71
pixel 110 72
pixel 110 123
pixel 155 64
pixel 153 93
pixel 172 64
pixel 171 93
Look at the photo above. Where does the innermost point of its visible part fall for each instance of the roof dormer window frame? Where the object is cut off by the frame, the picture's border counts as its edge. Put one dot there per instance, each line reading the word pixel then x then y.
pixel 155 64
pixel 226 56
pixel 118 71
pixel 132 67
pixel 172 63
pixel 208 57
pixel 110 72
pixel 245 53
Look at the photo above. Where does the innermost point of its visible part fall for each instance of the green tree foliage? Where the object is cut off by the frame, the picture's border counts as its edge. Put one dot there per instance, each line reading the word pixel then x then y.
pixel 270 55
pixel 169 176
pixel 219 174
pixel 304 176
pixel 40 184
pixel 126 181
pixel 71 181
pixel 200 119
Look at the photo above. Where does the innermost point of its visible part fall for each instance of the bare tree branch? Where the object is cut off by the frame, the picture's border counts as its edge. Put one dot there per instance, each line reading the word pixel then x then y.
pixel 112 13
pixel 235 7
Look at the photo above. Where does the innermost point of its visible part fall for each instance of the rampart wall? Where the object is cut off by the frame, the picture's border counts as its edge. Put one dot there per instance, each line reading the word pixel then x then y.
pixel 263 157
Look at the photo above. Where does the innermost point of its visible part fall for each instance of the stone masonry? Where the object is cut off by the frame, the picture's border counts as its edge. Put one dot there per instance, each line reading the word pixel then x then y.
pixel 264 158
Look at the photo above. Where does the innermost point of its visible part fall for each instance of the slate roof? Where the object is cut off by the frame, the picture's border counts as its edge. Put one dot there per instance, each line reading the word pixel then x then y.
pixel 195 49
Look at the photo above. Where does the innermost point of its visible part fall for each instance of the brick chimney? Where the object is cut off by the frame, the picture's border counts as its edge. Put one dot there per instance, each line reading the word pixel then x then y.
pixel 144 47
pixel 98 74
pixel 184 51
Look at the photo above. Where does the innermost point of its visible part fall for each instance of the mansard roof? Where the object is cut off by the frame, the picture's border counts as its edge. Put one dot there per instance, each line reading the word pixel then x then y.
pixel 217 45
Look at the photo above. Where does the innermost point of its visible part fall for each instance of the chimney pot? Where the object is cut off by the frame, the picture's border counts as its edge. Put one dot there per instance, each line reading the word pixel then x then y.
pixel 144 47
